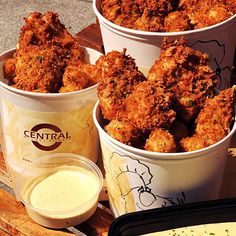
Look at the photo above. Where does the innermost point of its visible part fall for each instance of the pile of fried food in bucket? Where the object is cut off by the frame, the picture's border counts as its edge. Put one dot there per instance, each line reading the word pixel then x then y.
pixel 48 59
pixel 176 108
pixel 167 15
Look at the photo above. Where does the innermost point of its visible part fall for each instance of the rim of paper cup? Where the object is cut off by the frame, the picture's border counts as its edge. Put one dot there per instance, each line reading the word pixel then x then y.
pixel 156 155
pixel 163 34
pixel 44 95
pixel 74 157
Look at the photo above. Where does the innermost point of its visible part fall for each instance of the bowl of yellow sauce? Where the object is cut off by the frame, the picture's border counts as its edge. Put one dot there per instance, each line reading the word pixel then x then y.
pixel 60 190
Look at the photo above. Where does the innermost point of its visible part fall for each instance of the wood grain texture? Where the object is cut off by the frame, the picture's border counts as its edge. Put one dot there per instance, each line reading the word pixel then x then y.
pixel 14 220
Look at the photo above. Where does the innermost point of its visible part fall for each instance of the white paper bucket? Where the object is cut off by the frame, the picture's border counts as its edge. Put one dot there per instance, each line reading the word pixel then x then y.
pixel 39 124
pixel 139 180
pixel 218 41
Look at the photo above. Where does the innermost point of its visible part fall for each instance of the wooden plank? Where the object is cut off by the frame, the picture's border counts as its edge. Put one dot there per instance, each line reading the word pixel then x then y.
pixel 4 176
pixel 14 220
pixel 91 37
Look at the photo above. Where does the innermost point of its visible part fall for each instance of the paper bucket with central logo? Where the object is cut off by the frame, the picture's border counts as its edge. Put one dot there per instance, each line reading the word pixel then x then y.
pixel 38 124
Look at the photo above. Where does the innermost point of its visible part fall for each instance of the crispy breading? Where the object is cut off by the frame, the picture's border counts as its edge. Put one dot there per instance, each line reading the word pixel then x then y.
pixel 38 69
pixel 213 122
pixel 123 131
pixel 137 14
pixel 210 15
pixel 78 76
pixel 187 73
pixel 149 107
pixel 44 37
pixel 177 21
pixel 160 140
pixel 167 16
pixel 119 75
pixel 40 29
pixel 9 67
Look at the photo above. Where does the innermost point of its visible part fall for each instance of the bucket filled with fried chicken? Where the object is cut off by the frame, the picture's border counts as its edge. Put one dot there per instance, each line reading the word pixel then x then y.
pixel 48 90
pixel 140 26
pixel 165 136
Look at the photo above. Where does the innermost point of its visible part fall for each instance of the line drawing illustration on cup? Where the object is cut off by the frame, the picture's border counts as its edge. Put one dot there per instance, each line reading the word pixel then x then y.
pixel 139 174
pixel 216 59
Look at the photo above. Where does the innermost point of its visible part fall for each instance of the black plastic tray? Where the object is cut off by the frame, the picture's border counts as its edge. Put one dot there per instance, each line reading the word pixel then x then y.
pixel 160 219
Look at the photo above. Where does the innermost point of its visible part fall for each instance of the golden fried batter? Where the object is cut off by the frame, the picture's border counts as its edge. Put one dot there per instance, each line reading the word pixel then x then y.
pixel 40 29
pixel 213 122
pixel 119 75
pixel 160 140
pixel 186 72
pixel 124 132
pixel 37 69
pixel 167 16
pixel 177 21
pixel 137 14
pixel 46 51
pixel 78 76
pixel 149 107
pixel 9 68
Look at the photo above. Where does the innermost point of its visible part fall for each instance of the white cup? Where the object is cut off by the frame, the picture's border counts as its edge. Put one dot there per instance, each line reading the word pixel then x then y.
pixel 139 180
pixel 38 124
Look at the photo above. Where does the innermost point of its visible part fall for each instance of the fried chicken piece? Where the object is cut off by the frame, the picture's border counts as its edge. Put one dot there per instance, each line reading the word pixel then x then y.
pixel 213 122
pixel 37 69
pixel 186 72
pixel 73 53
pixel 160 140
pixel 177 21
pixel 208 12
pixel 149 22
pixel 211 15
pixel 119 75
pixel 9 68
pixel 78 76
pixel 46 29
pixel 124 132
pixel 115 62
pixel 39 29
pixel 149 107
pixel 137 14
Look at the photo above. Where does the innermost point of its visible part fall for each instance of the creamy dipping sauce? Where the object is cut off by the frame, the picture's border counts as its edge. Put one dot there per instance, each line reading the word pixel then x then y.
pixel 64 190
pixel 65 197
pixel 219 229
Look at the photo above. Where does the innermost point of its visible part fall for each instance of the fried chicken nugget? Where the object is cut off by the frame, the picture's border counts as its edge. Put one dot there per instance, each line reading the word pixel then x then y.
pixel 9 67
pixel 78 76
pixel 119 75
pixel 149 107
pixel 177 21
pixel 213 122
pixel 123 131
pixel 38 69
pixel 160 140
pixel 210 15
pixel 40 29
pixel 137 14
pixel 186 72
